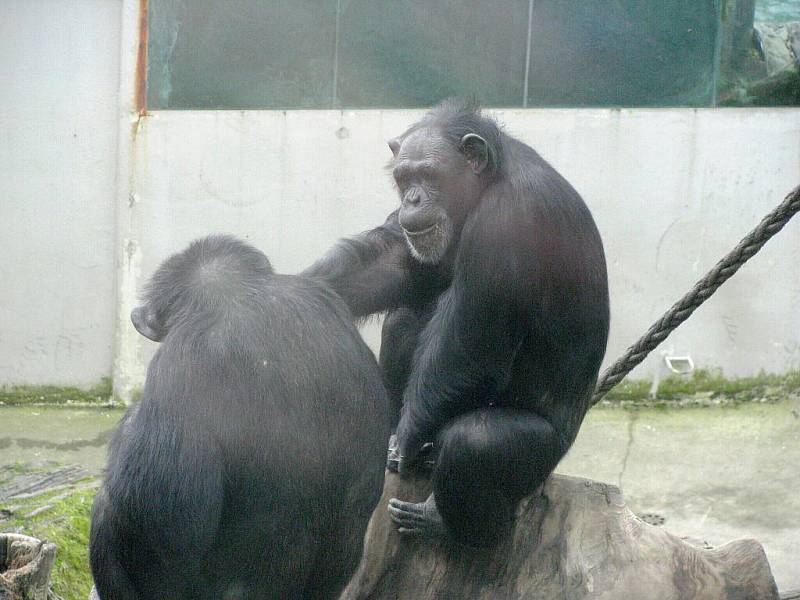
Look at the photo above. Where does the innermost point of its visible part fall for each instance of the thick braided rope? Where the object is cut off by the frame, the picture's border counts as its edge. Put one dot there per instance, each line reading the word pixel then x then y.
pixel 681 310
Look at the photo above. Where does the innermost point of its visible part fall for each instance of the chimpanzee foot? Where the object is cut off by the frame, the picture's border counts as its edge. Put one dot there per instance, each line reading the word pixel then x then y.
pixel 421 518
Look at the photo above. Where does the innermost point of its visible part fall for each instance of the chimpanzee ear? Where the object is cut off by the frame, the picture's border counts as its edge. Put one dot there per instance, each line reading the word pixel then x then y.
pixel 145 323
pixel 394 145
pixel 475 148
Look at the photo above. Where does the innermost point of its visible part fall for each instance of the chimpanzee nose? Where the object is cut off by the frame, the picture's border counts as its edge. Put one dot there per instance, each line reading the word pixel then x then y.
pixel 413 198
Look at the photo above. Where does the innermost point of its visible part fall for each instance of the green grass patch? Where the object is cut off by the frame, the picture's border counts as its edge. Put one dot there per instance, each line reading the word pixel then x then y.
pixel 709 384
pixel 66 524
pixel 101 395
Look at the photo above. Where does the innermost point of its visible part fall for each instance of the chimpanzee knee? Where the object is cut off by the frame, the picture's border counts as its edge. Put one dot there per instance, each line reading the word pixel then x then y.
pixel 487 461
pixel 474 508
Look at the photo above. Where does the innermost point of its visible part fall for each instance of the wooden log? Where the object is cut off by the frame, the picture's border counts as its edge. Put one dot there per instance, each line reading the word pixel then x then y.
pixel 575 539
pixel 25 567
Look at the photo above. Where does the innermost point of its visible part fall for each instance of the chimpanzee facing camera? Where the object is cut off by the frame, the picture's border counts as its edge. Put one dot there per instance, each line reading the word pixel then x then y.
pixel 494 278
pixel 252 464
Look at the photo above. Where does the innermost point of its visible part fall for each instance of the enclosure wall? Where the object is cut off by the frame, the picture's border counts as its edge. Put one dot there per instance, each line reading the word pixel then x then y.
pixel 58 161
pixel 671 190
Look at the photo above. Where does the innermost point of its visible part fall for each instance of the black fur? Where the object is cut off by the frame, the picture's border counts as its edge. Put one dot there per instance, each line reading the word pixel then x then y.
pixel 252 464
pixel 507 331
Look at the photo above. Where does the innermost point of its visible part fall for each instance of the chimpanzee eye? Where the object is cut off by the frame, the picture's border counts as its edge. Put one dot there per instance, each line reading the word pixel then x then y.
pixel 430 174
pixel 402 177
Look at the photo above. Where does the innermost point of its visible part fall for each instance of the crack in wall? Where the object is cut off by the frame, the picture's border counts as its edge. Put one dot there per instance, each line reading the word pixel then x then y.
pixel 631 422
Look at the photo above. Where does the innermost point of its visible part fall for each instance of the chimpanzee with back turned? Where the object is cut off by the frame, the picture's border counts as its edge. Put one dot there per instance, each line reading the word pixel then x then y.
pixel 494 277
pixel 252 464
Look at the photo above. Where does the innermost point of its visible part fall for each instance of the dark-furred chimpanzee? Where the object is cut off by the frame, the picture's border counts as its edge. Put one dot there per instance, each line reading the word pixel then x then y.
pixel 252 464
pixel 494 277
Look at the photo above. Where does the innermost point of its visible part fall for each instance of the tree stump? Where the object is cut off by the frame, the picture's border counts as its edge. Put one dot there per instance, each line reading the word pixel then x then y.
pixel 25 567
pixel 575 539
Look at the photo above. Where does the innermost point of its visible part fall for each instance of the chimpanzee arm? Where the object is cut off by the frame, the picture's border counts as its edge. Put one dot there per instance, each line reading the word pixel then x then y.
pixel 369 271
pixel 467 350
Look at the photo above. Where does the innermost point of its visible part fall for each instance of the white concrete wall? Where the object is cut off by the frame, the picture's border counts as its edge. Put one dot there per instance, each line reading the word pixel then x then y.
pixel 58 110
pixel 672 192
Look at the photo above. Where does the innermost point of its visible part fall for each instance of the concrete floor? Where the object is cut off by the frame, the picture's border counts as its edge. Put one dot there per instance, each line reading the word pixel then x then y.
pixel 711 473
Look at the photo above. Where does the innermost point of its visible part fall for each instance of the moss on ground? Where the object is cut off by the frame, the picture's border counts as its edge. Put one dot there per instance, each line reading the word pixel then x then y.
pixel 63 520
pixel 99 395
pixel 707 387
pixel 704 385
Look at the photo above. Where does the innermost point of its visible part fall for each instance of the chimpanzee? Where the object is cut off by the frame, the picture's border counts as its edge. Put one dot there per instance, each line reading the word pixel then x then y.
pixel 251 466
pixel 494 277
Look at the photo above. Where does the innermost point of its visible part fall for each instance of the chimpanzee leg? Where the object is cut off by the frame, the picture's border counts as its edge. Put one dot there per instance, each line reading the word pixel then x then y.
pixel 488 460
pixel 399 336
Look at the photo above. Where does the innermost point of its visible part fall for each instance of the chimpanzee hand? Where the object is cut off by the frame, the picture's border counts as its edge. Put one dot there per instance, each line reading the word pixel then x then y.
pixel 400 463
pixel 424 461
pixel 406 446
pixel 396 462
pixel 393 455
pixel 405 465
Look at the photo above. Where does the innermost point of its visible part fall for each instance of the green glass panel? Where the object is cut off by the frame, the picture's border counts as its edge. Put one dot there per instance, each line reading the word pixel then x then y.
pixel 241 54
pixel 623 53
pixel 410 53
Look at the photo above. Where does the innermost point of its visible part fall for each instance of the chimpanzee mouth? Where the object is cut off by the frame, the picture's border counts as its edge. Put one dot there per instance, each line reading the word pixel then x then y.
pixel 425 231
pixel 430 244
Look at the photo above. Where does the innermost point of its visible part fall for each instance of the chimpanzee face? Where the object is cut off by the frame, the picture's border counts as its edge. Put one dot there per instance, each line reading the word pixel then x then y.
pixel 439 186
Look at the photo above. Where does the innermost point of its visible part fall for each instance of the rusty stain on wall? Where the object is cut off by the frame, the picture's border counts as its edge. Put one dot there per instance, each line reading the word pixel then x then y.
pixel 141 60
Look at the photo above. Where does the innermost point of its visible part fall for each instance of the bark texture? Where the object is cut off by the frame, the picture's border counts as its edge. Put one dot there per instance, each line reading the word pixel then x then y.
pixel 574 540
pixel 25 567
